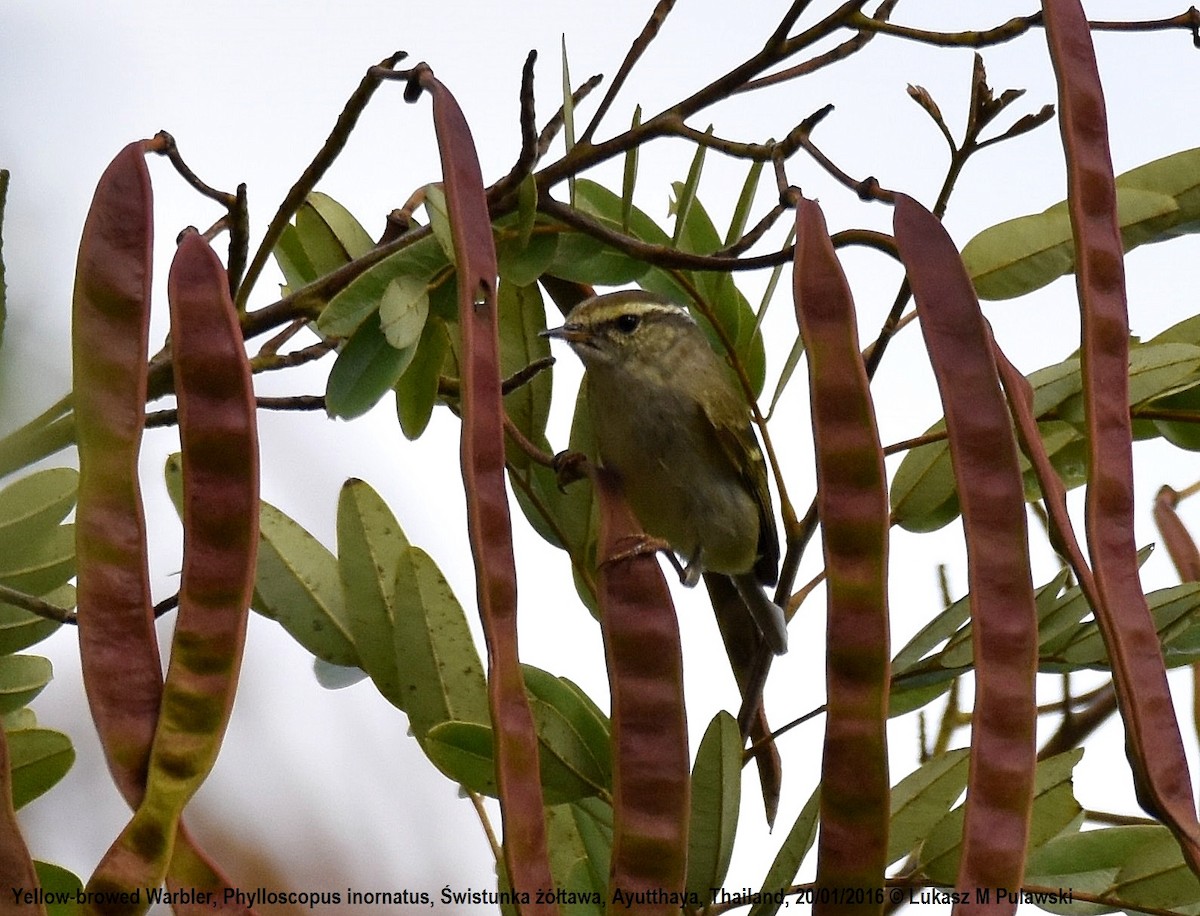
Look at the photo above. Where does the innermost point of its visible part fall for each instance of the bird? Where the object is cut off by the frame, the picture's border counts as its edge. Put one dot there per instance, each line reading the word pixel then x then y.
pixel 670 422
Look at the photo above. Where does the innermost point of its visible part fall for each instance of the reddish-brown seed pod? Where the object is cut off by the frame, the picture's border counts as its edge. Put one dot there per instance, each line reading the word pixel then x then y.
pixel 1154 744
pixel 488 518
pixel 1003 613
pixel 16 867
pixel 852 504
pixel 220 519
pixel 118 645
pixel 651 798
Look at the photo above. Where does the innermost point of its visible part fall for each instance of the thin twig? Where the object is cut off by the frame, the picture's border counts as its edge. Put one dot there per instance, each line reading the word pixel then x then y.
pixel 308 179
pixel 649 32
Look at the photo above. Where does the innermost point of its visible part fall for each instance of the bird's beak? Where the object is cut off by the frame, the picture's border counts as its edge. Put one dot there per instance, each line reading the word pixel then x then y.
pixel 571 333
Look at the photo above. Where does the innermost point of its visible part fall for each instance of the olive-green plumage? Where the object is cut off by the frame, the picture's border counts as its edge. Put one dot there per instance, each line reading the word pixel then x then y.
pixel 669 421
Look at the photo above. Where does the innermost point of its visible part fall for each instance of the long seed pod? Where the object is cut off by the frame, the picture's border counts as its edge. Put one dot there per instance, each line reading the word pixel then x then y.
pixel 651 798
pixel 1178 541
pixel 1154 744
pixel 122 673
pixel 220 517
pixel 16 867
pixel 488 518
pixel 1004 617
pixel 852 504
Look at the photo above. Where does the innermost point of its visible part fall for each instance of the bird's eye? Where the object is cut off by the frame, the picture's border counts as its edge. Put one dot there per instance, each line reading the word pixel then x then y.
pixel 628 323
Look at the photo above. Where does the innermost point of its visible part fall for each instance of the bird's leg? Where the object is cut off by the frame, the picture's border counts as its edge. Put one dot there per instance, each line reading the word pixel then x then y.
pixel 639 545
pixel 569 466
pixel 689 575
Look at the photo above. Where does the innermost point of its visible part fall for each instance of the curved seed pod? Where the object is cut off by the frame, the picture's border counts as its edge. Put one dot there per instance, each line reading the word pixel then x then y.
pixel 852 503
pixel 16 867
pixel 122 672
pixel 1004 616
pixel 220 517
pixel 1154 744
pixel 488 518
pixel 110 329
pixel 1175 536
pixel 651 801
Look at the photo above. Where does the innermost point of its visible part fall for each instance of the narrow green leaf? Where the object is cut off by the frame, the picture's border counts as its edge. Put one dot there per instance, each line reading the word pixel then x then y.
pixel 791 854
pixel 439 219
pixel 417 388
pixel 1054 811
pixel 741 210
pixel 685 197
pixel 629 178
pixel 522 316
pixel 527 199
pixel 441 677
pixel 568 113
pixel 922 798
pixel 370 543
pixel 716 801
pixel 366 369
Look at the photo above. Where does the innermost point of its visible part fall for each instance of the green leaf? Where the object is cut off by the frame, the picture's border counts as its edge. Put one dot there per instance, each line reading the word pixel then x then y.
pixel 1023 254
pixel 629 175
pixel 22 677
pixel 439 219
pixel 403 310
pixel 583 259
pixel 336 677
pixel 527 200
pixel 423 260
pixel 1135 863
pixel 39 758
pixel 365 370
pixel 33 506
pixel 370 543
pixel 741 210
pixel 1174 610
pixel 568 114
pixel 521 263
pixel 297 584
pixel 1155 370
pixel 441 677
pixel 20 628
pixel 716 801
pixel 1055 811
pixel 584 726
pixel 293 260
pixel 686 196
pixel 1179 433
pixel 922 798
pixel 585 890
pixel 58 884
pixel 791 854
pixel 522 315
pixel 352 239
pixel 417 388
pixel 573 754
pixel 40 564
pixel 463 752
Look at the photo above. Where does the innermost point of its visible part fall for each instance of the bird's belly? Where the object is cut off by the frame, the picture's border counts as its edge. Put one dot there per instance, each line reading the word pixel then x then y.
pixel 680 486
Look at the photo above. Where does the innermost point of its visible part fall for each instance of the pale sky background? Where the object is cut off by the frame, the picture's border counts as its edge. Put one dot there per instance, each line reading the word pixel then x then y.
pixel 325 787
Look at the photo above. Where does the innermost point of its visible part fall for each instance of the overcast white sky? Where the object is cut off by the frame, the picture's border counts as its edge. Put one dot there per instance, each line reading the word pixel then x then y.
pixel 326 785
